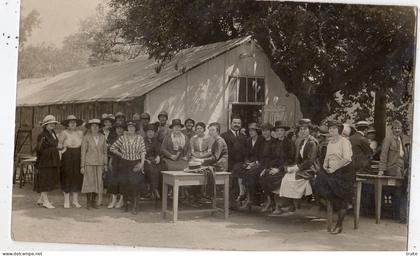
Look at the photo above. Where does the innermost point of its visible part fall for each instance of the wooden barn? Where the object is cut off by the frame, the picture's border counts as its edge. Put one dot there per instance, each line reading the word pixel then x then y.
pixel 207 83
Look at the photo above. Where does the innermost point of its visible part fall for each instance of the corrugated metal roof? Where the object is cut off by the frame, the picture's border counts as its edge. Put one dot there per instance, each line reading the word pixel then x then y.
pixel 120 81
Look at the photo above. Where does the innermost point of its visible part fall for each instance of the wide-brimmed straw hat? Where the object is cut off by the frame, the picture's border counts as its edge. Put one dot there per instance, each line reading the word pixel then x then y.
pixel 49 119
pixel 281 125
pixel 323 131
pixel 371 130
pixel 176 122
pixel 69 118
pixel 109 117
pixel 331 123
pixel 93 121
pixel 305 122
pixel 362 124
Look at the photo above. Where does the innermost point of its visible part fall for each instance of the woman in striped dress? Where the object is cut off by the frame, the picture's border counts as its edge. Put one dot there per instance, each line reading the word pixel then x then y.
pixel 131 148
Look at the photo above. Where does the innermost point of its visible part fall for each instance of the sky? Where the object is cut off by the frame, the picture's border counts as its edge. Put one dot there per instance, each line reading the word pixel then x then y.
pixel 59 18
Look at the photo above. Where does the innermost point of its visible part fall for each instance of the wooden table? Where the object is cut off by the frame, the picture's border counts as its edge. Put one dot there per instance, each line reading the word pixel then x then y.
pixel 177 179
pixel 378 181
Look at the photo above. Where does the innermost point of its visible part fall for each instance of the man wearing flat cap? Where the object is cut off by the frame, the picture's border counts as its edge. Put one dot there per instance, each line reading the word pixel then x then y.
pixel 362 153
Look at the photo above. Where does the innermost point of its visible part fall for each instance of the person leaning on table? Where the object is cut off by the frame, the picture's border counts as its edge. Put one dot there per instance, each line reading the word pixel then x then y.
pixel 47 161
pixel 391 163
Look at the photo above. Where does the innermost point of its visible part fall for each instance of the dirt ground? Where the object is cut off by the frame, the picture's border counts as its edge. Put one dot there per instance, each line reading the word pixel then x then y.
pixel 305 230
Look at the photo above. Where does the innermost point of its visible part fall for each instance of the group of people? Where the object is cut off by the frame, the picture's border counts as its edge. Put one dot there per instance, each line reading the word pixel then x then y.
pixel 271 165
pixel 123 157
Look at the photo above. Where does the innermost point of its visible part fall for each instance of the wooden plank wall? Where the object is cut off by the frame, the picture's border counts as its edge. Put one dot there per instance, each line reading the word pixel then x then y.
pixel 30 117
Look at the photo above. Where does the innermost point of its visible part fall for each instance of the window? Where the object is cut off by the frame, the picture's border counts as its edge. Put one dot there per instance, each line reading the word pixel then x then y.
pixel 249 89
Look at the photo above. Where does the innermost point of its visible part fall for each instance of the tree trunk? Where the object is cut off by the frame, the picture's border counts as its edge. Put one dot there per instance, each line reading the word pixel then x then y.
pixel 380 115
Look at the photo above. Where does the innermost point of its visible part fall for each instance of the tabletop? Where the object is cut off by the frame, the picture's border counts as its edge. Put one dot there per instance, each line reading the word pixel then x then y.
pixel 182 173
pixel 373 176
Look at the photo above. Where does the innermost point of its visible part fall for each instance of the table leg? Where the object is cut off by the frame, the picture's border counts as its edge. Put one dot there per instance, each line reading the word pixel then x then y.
pixel 21 175
pixel 164 198
pixel 175 201
pixel 357 204
pixel 378 200
pixel 329 216
pixel 226 195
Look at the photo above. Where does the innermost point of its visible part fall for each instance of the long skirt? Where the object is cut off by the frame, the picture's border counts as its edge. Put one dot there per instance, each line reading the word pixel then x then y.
pixel 294 188
pixel 237 170
pixel 250 176
pixel 70 176
pixel 337 187
pixel 130 182
pixel 92 179
pixel 153 173
pixel 113 176
pixel 271 183
pixel 47 179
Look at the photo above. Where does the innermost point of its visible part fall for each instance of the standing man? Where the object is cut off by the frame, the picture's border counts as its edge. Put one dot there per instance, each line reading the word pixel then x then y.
pixel 362 153
pixel 236 143
pixel 392 164
pixel 163 128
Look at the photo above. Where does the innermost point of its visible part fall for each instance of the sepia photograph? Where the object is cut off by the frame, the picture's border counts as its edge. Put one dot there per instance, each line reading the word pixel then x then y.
pixel 214 125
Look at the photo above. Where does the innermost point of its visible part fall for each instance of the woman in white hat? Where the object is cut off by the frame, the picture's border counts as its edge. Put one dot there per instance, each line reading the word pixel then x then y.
pixel 70 143
pixel 48 160
pixel 94 160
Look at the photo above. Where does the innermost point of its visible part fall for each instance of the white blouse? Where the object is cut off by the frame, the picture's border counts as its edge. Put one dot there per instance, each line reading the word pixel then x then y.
pixel 338 152
pixel 71 139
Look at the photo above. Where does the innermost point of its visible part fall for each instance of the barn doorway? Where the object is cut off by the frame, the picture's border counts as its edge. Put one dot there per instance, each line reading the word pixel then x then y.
pixel 249 112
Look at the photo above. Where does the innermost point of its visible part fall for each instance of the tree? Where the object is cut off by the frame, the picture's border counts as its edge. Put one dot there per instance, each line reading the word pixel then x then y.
pixel 27 25
pixel 318 50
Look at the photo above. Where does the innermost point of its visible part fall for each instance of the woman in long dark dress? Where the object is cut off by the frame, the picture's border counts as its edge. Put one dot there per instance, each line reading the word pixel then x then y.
pixel 154 164
pixel 248 176
pixel 70 142
pixel 114 171
pixel 48 161
pixel 130 147
pixel 336 180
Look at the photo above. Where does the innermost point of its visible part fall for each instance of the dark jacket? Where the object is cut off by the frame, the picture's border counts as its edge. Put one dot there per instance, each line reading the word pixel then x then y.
pixel 46 150
pixel 309 154
pixel 283 153
pixel 362 153
pixel 253 153
pixel 236 146
pixel 152 148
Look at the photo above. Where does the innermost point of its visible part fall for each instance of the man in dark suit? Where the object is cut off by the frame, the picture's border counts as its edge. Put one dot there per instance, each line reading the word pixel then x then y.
pixel 236 143
pixel 362 153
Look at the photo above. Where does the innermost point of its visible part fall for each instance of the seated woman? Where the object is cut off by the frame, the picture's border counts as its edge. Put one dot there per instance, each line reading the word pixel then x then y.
pixel 130 147
pixel 219 151
pixel 283 154
pixel 248 176
pixel 154 165
pixel 296 182
pixel 200 145
pixel 175 147
pixel 336 180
